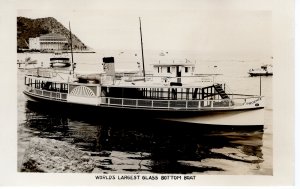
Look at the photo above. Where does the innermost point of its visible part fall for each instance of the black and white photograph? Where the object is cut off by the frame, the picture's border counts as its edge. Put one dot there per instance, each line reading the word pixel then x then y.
pixel 152 91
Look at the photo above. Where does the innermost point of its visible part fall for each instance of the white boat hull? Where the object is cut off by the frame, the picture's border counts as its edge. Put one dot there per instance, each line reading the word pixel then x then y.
pixel 60 65
pixel 252 117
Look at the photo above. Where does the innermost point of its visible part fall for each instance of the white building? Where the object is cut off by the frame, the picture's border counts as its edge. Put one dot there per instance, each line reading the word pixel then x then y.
pixel 51 41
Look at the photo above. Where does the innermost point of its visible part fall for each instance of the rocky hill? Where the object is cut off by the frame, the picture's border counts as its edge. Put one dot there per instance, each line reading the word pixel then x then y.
pixel 27 28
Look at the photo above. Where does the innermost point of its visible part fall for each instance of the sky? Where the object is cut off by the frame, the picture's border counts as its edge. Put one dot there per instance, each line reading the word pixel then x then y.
pixel 235 31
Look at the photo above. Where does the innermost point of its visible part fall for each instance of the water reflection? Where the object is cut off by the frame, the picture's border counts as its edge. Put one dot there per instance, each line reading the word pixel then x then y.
pixel 146 145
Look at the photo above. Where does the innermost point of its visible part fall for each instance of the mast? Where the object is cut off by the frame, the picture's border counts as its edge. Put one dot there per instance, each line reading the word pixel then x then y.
pixel 71 48
pixel 260 85
pixel 142 49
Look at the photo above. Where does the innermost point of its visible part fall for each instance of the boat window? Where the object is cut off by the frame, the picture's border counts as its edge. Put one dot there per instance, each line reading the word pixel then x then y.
pixel 157 69
pixel 186 69
pixel 27 81
pixel 169 69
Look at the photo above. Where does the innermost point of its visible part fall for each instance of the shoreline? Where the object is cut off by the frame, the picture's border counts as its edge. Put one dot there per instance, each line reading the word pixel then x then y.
pixel 47 52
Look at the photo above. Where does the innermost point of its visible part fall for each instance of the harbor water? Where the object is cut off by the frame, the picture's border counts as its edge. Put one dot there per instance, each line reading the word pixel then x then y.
pixel 154 146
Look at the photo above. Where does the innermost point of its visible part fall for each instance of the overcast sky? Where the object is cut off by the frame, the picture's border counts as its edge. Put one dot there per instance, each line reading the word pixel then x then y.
pixel 226 31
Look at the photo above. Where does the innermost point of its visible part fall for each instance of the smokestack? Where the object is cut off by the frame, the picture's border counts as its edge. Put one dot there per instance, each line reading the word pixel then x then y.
pixel 109 66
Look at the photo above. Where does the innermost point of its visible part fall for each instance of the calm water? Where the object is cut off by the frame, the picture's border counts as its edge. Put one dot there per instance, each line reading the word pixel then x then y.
pixel 153 146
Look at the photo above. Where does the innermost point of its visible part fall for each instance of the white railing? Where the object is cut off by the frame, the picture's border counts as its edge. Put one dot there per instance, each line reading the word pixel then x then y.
pixel 180 104
pixel 204 79
pixel 236 101
pixel 168 79
pixel 47 94
pixel 40 72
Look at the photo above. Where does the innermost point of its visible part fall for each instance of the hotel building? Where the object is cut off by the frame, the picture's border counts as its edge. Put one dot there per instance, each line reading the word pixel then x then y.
pixel 51 41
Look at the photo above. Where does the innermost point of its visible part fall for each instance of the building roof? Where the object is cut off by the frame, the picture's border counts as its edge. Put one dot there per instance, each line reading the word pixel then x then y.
pixel 174 64
pixel 53 37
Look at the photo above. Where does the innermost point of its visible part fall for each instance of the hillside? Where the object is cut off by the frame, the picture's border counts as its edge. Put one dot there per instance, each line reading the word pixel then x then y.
pixel 27 28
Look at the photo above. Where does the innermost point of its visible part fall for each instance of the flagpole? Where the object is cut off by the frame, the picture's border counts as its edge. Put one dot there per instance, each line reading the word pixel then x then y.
pixel 142 49
pixel 71 48
pixel 260 85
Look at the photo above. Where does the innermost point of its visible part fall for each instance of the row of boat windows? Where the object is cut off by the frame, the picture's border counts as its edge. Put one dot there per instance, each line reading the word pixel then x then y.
pixel 46 85
pixel 160 69
pixel 161 93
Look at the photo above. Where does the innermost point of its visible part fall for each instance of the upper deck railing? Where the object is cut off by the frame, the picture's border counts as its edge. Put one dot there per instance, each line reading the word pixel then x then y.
pixel 41 72
pixel 201 80
pixel 168 79
pixel 111 80
pixel 237 101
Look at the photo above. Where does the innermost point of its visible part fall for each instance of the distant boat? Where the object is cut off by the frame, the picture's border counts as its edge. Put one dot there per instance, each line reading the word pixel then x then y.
pixel 59 60
pixel 264 70
pixel 161 54
pixel 26 62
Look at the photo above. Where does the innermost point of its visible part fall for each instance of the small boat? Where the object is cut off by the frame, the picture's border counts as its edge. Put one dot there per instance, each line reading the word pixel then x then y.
pixel 264 70
pixel 59 60
pixel 162 54
pixel 173 93
pixel 28 61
